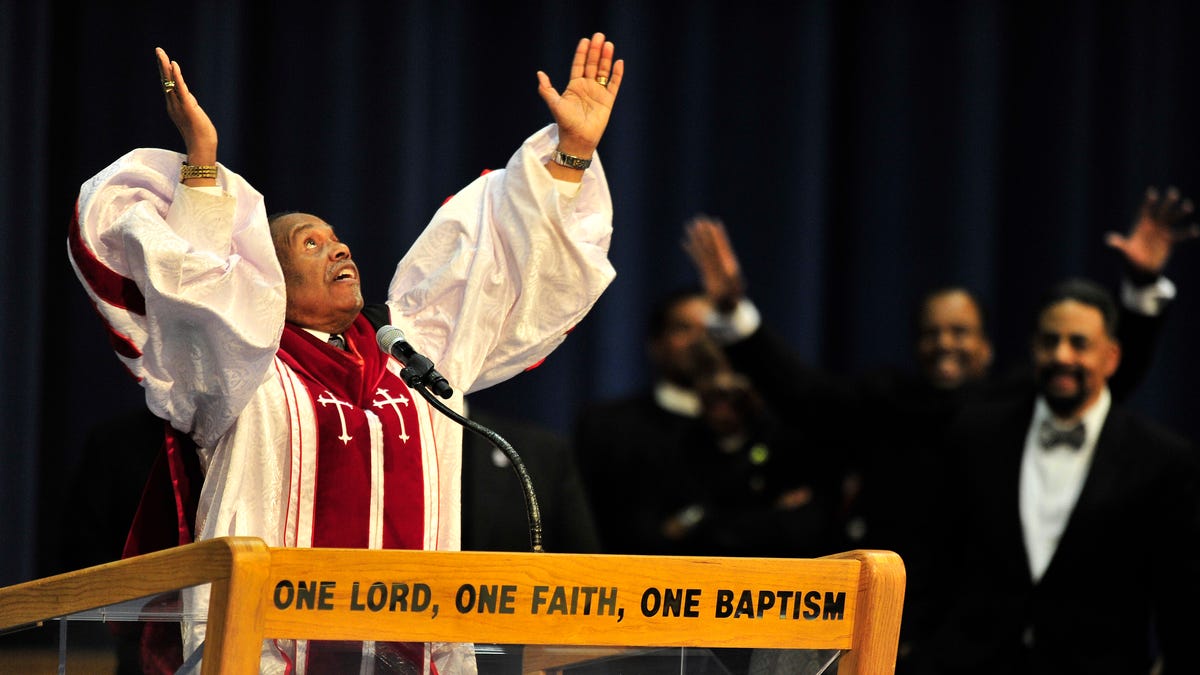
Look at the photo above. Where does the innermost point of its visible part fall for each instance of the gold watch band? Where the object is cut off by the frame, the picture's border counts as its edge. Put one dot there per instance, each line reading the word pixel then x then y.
pixel 187 171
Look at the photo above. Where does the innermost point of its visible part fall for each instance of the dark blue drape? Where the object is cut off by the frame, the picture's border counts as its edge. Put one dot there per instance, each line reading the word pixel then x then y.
pixel 859 152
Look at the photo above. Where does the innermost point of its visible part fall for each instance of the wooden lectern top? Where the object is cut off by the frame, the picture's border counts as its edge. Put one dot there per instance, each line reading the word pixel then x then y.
pixel 850 601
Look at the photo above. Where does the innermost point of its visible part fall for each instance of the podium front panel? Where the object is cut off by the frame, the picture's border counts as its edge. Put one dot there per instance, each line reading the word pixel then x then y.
pixel 561 599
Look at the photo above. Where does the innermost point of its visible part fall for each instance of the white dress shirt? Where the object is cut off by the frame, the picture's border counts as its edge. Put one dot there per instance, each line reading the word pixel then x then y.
pixel 1051 480
pixel 676 399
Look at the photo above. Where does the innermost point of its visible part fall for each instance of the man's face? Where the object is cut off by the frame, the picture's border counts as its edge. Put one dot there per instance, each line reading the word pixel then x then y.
pixel 323 290
pixel 729 402
pixel 1073 356
pixel 951 347
pixel 675 351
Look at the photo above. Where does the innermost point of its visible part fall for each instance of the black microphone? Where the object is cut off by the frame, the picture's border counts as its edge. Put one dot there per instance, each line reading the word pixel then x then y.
pixel 418 371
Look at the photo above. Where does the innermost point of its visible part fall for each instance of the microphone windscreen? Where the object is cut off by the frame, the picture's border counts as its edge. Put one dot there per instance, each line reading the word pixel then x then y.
pixel 387 337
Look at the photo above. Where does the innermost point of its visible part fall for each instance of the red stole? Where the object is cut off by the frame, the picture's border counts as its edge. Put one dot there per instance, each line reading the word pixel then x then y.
pixel 346 387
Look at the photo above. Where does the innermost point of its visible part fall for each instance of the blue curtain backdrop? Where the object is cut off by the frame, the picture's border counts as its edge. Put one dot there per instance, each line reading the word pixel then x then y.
pixel 859 152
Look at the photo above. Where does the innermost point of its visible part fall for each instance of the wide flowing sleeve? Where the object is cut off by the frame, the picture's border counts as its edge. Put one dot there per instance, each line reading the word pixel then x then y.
pixel 506 269
pixel 187 283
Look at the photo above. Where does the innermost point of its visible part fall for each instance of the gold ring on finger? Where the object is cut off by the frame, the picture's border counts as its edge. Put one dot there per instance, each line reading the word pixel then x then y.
pixel 168 86
pixel 602 80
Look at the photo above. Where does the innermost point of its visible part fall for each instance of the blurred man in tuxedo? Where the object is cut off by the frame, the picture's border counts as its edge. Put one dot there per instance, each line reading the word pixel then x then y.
pixel 1072 536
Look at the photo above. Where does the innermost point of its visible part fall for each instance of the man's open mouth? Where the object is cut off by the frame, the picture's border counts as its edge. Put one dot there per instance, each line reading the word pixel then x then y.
pixel 347 272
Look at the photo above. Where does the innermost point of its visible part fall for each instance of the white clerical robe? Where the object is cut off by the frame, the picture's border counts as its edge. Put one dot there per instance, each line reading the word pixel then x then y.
pixel 192 293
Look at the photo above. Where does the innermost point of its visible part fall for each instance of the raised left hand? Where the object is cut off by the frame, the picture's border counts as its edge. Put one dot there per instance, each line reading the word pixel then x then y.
pixel 583 108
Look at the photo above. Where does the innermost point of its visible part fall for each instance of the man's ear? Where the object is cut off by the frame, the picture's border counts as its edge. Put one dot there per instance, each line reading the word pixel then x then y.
pixel 1112 358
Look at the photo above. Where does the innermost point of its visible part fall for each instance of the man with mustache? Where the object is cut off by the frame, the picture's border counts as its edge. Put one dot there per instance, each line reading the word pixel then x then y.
pixel 252 341
pixel 1071 537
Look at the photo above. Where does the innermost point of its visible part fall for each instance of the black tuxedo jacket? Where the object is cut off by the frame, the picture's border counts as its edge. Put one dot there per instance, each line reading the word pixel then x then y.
pixel 1124 582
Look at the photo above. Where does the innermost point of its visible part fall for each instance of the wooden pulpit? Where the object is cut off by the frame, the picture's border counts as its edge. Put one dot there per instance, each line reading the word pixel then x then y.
pixel 849 602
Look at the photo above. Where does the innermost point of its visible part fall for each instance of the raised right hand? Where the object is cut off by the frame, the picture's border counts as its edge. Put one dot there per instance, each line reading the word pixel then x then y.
pixel 712 253
pixel 1161 223
pixel 198 132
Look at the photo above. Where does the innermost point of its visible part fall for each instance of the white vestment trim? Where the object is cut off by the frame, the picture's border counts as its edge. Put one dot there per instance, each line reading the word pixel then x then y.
pixel 375 531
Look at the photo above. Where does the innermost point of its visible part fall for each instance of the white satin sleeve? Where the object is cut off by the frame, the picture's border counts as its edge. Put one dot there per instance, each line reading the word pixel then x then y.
pixel 211 285
pixel 505 269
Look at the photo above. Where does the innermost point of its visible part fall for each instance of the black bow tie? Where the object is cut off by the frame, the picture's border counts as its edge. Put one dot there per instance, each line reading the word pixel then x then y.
pixel 1050 436
pixel 338 341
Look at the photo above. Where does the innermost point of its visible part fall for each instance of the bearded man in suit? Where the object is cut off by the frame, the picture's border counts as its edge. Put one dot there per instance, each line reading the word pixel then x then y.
pixel 1073 525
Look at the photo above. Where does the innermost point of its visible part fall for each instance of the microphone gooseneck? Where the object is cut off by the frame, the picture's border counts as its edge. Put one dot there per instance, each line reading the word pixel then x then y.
pixel 419 374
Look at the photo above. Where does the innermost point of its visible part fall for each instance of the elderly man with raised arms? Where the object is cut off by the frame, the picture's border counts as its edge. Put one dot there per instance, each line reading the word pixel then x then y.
pixel 251 341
